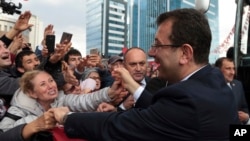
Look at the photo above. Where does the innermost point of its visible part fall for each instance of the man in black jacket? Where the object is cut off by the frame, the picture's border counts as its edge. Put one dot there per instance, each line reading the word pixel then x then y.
pixel 198 105
pixel 227 67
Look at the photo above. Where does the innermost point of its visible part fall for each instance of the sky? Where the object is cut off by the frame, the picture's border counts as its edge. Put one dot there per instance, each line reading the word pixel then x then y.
pixel 65 15
pixel 68 15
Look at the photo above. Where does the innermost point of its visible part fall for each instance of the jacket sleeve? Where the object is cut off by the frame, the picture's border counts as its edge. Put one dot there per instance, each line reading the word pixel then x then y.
pixel 14 134
pixel 54 69
pixel 7 123
pixel 144 100
pixel 6 40
pixel 86 102
pixel 8 85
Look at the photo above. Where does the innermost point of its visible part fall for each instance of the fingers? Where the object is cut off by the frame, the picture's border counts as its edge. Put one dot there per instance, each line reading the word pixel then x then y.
pixel 59 113
pixel 49 120
pixel 105 107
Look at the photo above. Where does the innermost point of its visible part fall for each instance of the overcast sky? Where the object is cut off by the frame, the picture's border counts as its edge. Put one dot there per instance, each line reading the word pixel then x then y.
pixel 65 15
pixel 227 11
pixel 68 15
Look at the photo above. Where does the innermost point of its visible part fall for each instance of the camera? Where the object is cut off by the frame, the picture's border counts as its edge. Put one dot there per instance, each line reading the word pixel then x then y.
pixel 10 7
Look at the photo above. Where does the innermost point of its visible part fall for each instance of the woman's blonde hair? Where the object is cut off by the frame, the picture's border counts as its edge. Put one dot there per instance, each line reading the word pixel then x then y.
pixel 25 82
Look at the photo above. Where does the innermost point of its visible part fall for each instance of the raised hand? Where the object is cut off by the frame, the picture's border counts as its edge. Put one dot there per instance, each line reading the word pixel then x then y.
pixel 22 22
pixel 68 74
pixel 16 44
pixel 126 79
pixel 49 30
pixel 60 51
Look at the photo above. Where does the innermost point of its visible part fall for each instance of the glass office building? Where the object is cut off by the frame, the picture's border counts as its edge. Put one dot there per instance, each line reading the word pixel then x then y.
pixel 143 27
pixel 106 26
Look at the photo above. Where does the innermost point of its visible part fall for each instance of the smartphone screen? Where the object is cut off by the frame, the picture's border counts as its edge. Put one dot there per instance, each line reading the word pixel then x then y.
pixel 94 51
pixel 66 36
pixel 50 43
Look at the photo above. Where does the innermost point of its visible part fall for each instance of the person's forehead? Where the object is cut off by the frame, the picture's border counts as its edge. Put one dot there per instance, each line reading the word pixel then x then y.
pixel 74 56
pixel 117 62
pixel 30 56
pixel 164 31
pixel 227 63
pixel 139 57
pixel 135 52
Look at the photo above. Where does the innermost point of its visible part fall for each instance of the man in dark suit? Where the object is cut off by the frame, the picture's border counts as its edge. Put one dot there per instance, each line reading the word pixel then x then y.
pixel 135 61
pixel 227 67
pixel 198 105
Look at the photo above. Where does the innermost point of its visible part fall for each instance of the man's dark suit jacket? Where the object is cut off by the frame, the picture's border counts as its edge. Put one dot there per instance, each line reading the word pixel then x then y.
pixel 239 95
pixel 200 108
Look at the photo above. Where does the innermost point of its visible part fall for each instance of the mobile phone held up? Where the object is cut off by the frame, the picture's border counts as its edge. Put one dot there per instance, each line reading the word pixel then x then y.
pixel 66 36
pixel 50 43
pixel 94 51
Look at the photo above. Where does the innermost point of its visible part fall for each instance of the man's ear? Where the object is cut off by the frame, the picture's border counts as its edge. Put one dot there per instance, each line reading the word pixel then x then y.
pixel 21 69
pixel 187 53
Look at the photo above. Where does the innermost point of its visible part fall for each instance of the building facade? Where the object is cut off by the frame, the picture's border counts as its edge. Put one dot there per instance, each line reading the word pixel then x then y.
pixel 143 20
pixel 33 36
pixel 106 26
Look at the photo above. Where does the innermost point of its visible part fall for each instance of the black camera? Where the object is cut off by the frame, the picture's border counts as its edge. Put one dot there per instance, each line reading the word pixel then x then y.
pixel 10 7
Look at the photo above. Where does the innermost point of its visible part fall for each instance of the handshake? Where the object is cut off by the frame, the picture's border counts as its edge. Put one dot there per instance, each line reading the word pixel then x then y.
pixel 49 119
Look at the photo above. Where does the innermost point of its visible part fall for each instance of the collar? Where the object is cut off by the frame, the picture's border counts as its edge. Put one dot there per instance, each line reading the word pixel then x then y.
pixel 185 78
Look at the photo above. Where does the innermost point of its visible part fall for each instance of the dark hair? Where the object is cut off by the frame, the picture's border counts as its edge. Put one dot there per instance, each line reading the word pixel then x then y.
pixel 219 61
pixel 72 52
pixel 190 27
pixel 20 55
pixel 230 53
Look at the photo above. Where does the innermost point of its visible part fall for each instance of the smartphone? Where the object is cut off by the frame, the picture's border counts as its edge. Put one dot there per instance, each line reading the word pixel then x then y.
pixel 66 36
pixel 94 51
pixel 50 43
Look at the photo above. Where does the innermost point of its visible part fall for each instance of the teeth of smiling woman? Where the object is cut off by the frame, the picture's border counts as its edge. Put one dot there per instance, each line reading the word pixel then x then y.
pixel 52 92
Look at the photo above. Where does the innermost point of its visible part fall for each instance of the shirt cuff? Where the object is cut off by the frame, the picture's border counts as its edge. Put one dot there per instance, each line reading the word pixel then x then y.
pixel 122 106
pixel 138 93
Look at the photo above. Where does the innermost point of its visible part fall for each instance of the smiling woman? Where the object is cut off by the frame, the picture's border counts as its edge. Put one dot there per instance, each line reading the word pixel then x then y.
pixel 38 93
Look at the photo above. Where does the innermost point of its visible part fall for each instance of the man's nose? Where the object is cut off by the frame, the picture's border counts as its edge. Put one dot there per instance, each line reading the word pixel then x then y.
pixel 152 52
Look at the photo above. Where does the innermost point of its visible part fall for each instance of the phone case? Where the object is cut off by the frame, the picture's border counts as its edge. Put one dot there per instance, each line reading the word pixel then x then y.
pixel 50 43
pixel 66 36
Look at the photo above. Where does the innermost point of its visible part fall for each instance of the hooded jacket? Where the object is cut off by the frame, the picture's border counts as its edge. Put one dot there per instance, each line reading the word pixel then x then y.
pixel 29 109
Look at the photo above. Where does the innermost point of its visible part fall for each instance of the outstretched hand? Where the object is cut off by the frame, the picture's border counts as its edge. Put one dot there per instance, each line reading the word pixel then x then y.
pixel 59 113
pixel 68 74
pixel 116 92
pixel 60 51
pixel 126 79
pixel 106 107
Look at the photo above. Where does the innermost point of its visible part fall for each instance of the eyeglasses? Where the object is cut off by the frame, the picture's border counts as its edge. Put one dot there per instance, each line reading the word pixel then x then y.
pixel 155 45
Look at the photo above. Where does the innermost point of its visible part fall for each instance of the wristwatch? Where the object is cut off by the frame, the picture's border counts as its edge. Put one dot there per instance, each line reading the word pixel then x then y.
pixel 66 116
